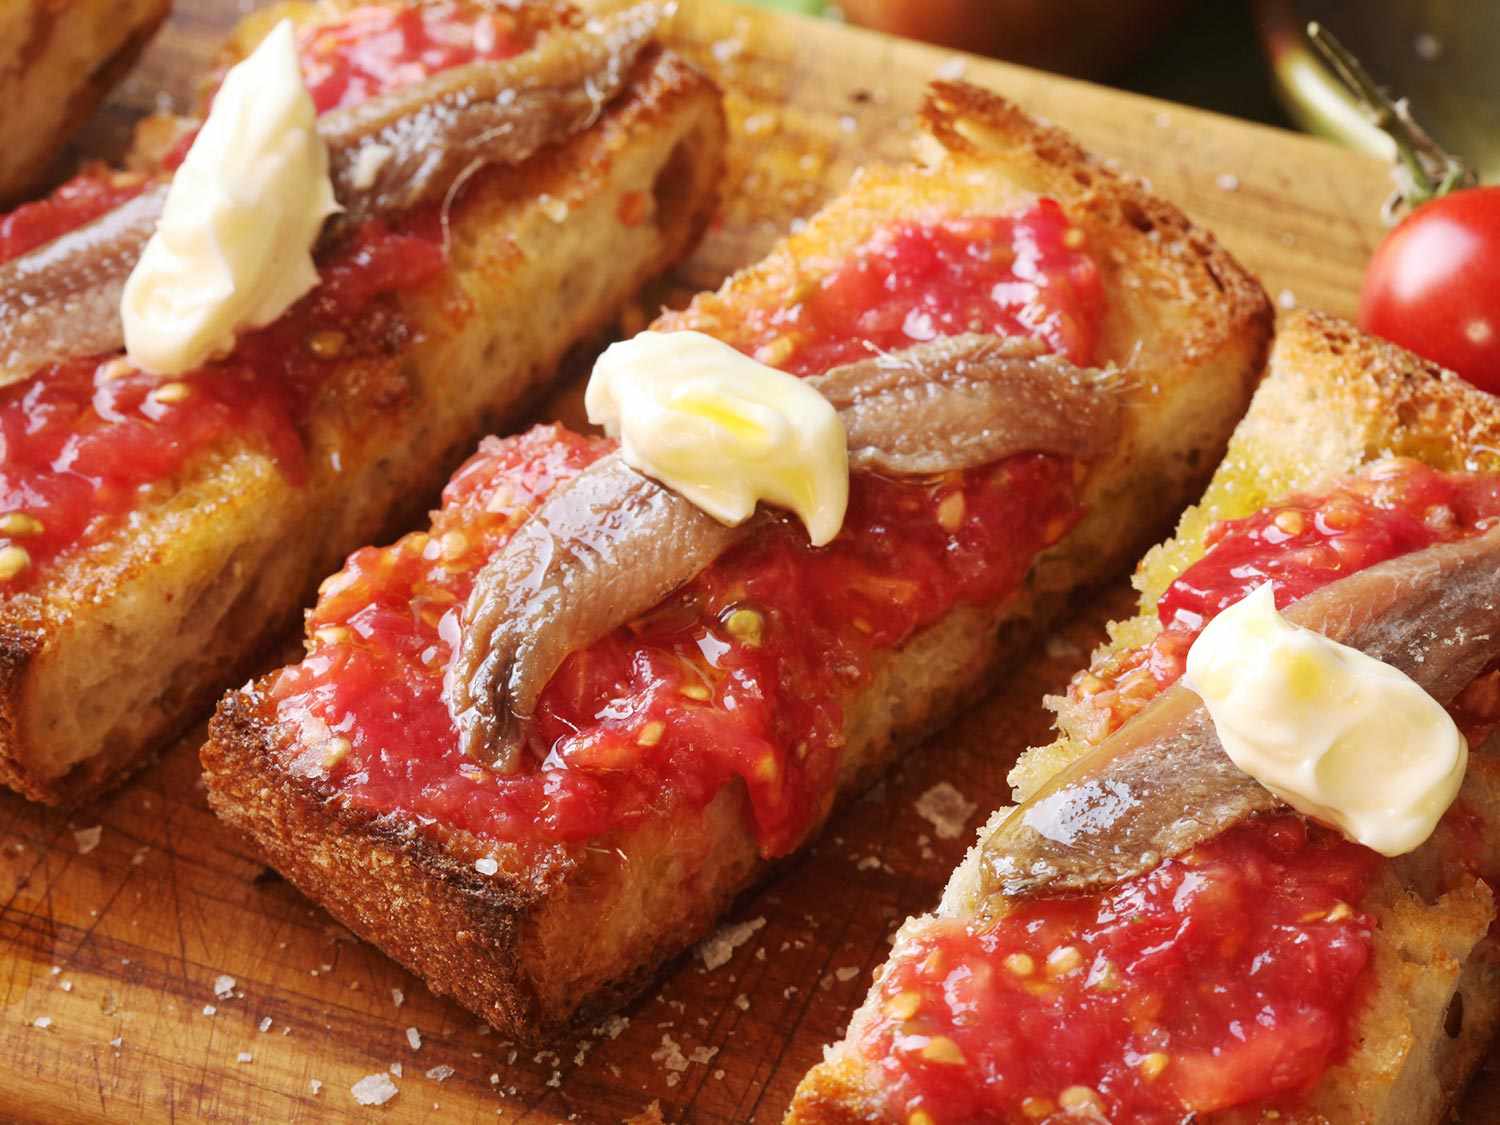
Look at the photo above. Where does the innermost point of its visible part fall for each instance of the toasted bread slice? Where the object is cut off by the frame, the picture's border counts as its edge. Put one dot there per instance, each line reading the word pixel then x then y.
pixel 1187 325
pixel 1332 400
pixel 131 637
pixel 59 60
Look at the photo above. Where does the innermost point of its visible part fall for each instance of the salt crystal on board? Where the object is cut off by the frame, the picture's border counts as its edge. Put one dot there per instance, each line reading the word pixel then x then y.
pixel 374 1089
pixel 718 950
pixel 946 809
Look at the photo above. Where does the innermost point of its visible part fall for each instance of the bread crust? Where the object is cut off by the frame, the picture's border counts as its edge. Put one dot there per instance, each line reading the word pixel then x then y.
pixel 58 59
pixel 646 894
pixel 1333 400
pixel 129 639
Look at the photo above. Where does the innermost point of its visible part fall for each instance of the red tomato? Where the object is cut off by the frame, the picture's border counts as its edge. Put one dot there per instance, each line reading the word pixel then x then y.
pixel 1433 285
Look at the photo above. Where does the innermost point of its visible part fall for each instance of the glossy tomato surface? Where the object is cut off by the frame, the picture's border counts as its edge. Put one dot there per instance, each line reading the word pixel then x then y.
pixel 1433 285
pixel 741 675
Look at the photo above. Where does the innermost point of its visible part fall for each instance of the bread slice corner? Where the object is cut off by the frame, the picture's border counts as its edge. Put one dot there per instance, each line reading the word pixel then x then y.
pixel 1332 400
pixel 132 637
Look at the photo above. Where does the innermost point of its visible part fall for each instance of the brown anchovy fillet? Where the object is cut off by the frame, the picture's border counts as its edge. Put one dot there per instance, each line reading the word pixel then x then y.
pixel 63 298
pixel 598 552
pixel 607 547
pixel 1162 783
pixel 412 145
pixel 398 150
pixel 964 401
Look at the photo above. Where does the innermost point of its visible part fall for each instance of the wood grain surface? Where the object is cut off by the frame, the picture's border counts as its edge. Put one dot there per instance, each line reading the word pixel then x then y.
pixel 153 971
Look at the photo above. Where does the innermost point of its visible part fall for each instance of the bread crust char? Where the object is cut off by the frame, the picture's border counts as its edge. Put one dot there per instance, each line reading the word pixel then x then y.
pixel 1333 400
pixel 645 895
pixel 131 638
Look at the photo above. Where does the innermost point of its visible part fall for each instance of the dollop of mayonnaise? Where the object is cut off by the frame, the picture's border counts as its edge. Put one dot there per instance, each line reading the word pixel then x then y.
pixel 1336 734
pixel 233 249
pixel 722 430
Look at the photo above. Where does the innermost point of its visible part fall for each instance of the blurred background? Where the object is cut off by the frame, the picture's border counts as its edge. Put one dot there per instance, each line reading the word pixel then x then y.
pixel 1247 58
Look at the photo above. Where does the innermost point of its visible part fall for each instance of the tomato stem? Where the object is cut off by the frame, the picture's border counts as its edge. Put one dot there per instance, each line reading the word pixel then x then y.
pixel 1424 169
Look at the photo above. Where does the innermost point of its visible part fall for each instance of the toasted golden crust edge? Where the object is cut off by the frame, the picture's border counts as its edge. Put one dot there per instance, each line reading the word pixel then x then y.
pixel 913 691
pixel 971 128
pixel 368 409
pixel 967 120
pixel 390 885
pixel 525 975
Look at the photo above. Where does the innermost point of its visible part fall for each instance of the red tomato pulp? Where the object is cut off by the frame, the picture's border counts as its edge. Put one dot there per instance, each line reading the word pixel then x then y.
pixel 84 441
pixel 745 672
pixel 1228 976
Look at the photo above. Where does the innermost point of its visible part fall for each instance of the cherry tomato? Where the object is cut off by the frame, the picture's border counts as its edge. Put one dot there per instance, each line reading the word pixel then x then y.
pixel 1433 285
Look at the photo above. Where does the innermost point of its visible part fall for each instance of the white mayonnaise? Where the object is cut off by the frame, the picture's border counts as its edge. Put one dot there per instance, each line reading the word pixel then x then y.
pixel 233 249
pixel 723 430
pixel 1334 733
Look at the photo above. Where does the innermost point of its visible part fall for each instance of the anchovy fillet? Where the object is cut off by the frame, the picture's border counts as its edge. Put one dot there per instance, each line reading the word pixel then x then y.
pixel 612 543
pixel 1162 783
pixel 403 149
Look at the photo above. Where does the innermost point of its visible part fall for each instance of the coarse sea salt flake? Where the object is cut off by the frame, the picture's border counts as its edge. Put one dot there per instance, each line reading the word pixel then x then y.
pixel 87 839
pixel 946 809
pixel 374 1089
pixel 224 986
pixel 669 1054
pixel 718 950
pixel 414 1037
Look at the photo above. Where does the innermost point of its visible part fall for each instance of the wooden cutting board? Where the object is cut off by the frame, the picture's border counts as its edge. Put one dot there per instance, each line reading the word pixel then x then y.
pixel 152 970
